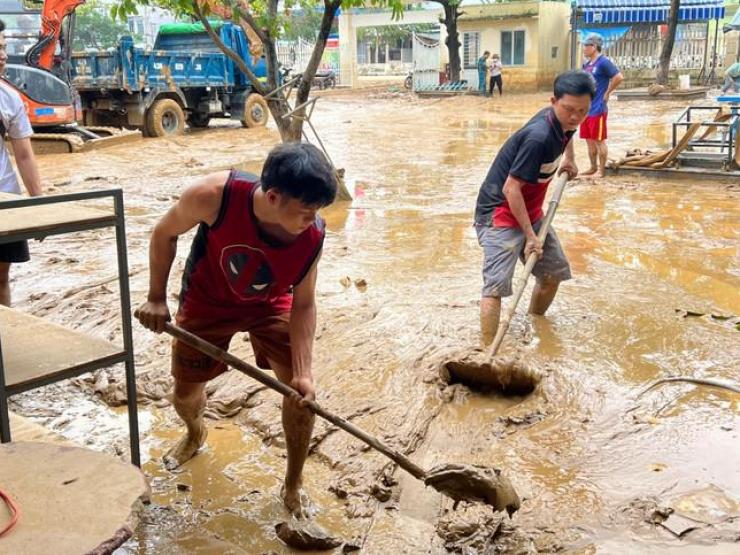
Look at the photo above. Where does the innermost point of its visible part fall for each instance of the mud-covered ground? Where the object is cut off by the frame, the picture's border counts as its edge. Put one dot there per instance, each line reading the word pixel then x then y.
pixel 654 294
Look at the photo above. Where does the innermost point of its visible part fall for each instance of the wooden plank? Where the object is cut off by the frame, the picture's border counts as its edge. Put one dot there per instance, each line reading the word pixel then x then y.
pixel 25 429
pixel 45 218
pixel 671 94
pixel 34 349
pixel 683 172
pixel 72 500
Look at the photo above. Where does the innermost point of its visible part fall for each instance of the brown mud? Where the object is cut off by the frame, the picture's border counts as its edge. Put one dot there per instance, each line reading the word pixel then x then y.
pixel 476 369
pixel 644 253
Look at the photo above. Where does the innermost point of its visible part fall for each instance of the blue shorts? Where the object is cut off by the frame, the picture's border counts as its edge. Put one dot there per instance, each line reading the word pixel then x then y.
pixel 501 248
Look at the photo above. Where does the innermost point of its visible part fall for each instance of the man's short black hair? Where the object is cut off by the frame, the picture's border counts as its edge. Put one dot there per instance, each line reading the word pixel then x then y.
pixel 2 26
pixel 575 82
pixel 301 171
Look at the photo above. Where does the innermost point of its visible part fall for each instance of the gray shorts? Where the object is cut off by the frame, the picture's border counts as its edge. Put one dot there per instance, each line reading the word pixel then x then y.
pixel 503 245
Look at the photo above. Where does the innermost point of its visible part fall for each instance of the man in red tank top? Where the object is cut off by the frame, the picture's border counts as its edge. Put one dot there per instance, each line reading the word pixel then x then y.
pixel 252 268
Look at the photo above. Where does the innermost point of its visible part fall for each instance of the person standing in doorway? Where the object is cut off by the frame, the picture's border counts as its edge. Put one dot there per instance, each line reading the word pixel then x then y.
pixel 482 69
pixel 607 77
pixel 15 124
pixel 496 79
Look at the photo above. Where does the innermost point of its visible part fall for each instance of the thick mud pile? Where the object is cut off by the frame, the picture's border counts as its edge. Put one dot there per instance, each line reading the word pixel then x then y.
pixel 644 255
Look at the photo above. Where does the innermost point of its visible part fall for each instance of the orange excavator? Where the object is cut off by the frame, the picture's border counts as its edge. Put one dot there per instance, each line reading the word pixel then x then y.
pixel 39 42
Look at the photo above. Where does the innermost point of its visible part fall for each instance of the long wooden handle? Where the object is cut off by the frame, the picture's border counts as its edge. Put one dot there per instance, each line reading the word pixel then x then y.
pixel 284 389
pixel 503 326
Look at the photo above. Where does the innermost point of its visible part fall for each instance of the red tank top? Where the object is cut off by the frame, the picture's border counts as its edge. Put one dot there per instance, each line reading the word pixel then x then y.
pixel 233 268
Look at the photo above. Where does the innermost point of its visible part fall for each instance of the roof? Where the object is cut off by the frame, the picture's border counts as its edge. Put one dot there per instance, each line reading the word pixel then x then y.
pixel 619 12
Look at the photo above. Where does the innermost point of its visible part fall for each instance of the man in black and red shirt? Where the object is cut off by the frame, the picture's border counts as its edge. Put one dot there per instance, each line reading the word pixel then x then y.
pixel 252 268
pixel 508 212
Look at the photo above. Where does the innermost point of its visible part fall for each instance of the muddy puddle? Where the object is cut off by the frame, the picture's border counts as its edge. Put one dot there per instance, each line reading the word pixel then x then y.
pixel 655 294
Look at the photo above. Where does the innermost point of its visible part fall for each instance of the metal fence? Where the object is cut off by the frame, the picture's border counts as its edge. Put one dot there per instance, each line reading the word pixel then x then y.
pixel 639 48
pixel 294 54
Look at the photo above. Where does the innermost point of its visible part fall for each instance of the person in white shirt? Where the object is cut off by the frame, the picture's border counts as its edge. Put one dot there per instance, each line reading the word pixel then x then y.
pixel 496 77
pixel 15 124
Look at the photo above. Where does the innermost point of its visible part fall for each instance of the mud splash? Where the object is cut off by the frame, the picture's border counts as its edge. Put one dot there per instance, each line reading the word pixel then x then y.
pixel 640 250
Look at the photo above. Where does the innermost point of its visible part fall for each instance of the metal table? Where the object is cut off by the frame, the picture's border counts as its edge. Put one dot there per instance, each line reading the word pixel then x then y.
pixel 34 352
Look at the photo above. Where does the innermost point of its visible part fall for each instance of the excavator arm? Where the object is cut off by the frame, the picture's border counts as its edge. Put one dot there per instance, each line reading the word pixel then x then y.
pixel 41 54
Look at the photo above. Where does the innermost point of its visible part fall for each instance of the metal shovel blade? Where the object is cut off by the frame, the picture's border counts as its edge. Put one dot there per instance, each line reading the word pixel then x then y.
pixel 478 484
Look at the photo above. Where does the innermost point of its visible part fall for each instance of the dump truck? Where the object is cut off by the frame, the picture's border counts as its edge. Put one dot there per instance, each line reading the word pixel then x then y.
pixel 184 79
pixel 38 34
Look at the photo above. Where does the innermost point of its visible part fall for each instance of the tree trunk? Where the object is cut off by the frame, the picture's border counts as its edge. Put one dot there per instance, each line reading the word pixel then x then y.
pixel 453 39
pixel 290 128
pixel 665 54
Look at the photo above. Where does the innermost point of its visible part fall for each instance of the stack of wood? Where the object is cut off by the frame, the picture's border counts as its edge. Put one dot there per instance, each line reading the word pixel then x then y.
pixel 666 158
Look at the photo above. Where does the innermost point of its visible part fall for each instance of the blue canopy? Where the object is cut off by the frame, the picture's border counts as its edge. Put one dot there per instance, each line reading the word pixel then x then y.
pixel 619 12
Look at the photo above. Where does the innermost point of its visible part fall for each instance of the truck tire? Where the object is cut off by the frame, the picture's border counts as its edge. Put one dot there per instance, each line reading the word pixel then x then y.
pixel 198 119
pixel 165 117
pixel 256 111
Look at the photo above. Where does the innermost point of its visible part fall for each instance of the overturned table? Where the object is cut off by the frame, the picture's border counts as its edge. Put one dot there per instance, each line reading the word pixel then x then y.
pixel 33 352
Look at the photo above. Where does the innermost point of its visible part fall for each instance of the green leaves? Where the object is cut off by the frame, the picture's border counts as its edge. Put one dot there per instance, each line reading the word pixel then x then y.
pixel 93 28
pixel 260 10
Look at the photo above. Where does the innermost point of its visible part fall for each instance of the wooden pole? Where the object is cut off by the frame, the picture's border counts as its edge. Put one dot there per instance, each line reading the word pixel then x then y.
pixel 287 391
pixel 531 261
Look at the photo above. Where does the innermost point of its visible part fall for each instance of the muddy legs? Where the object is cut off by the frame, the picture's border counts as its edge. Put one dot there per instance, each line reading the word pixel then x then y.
pixel 189 400
pixel 603 152
pixel 298 427
pixel 490 313
pixel 5 283
pixel 543 295
pixel 490 308
pixel 597 155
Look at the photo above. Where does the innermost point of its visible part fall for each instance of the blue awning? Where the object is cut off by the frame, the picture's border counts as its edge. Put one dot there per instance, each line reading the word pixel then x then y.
pixel 619 12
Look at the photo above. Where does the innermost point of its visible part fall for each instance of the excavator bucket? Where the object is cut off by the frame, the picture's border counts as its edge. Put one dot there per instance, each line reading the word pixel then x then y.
pixel 82 139
pixel 110 136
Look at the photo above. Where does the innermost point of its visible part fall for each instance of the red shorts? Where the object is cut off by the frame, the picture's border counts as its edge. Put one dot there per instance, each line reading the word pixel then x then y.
pixel 594 128
pixel 267 333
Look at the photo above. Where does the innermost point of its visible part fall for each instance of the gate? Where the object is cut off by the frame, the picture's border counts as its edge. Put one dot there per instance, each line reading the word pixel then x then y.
pixel 425 53
pixel 294 54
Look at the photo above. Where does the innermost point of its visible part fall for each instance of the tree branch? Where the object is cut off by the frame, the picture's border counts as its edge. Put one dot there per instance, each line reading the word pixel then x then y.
pixel 256 85
pixel 249 20
pixel 330 10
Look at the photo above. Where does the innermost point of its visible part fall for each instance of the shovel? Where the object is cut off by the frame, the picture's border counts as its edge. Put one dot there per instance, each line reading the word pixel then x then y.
pixel 457 481
pixel 507 374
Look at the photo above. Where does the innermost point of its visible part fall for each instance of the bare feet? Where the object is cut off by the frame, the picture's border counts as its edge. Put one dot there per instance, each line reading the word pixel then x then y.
pixel 590 171
pixel 599 174
pixel 297 503
pixel 185 449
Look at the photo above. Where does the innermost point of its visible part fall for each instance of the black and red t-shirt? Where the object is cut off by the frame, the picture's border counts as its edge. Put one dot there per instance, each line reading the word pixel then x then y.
pixel 532 155
pixel 233 269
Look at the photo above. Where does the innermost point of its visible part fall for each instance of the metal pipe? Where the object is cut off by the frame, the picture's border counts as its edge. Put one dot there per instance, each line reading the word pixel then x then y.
pixel 128 345
pixel 4 412
pixel 573 33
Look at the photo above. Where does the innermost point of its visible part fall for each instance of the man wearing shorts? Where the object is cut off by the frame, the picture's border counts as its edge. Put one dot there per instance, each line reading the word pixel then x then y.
pixel 252 268
pixel 14 122
pixel 607 78
pixel 509 212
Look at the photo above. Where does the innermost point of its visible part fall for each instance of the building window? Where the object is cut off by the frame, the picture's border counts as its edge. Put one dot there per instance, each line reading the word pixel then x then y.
pixel 512 48
pixel 136 24
pixel 471 49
